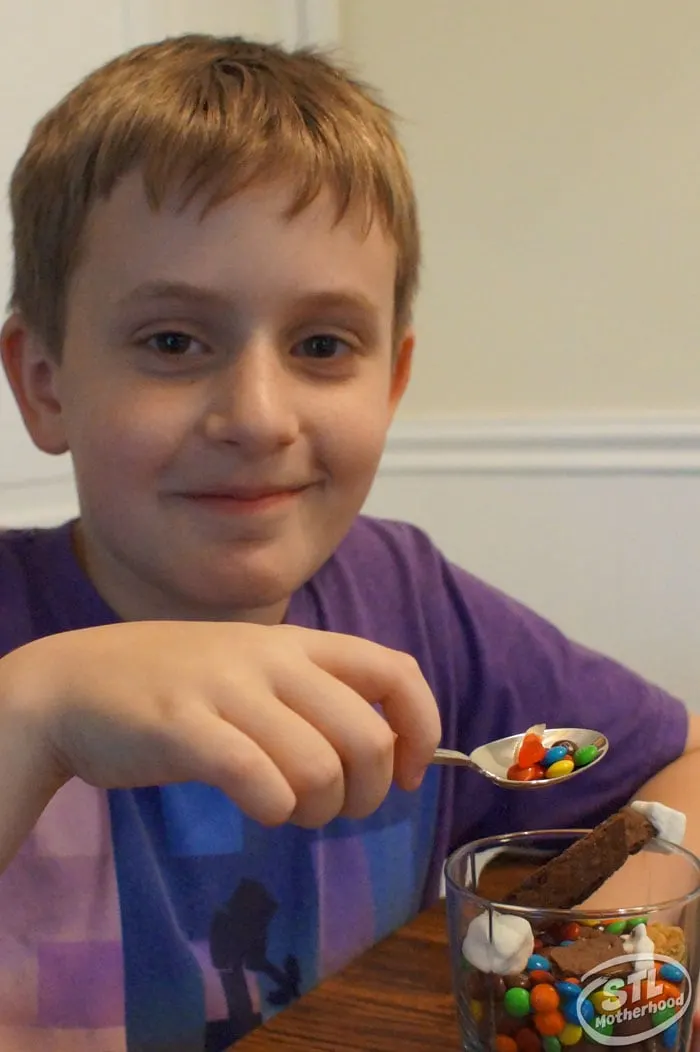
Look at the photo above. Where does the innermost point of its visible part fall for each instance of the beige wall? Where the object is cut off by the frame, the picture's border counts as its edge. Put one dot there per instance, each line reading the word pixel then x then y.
pixel 556 150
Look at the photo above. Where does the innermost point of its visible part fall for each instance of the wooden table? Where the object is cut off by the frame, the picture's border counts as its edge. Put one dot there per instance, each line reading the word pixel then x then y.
pixel 397 997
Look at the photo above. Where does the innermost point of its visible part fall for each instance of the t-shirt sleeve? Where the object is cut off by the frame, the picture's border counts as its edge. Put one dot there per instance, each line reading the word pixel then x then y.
pixel 512 669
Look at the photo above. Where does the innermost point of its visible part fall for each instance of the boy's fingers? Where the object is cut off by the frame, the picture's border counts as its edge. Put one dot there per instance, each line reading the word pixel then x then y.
pixel 297 750
pixel 392 679
pixel 359 735
pixel 216 753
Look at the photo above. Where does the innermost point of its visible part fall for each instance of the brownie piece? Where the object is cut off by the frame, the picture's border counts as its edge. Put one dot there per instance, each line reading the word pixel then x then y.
pixel 571 877
pixel 585 954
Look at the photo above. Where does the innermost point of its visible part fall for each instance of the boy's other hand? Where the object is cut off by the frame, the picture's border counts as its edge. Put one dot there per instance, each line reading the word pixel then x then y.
pixel 276 717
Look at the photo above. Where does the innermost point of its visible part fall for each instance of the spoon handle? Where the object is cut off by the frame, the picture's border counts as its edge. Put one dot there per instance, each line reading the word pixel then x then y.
pixel 453 758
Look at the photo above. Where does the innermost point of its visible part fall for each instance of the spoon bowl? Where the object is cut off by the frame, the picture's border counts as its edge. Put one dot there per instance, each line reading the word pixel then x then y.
pixel 493 759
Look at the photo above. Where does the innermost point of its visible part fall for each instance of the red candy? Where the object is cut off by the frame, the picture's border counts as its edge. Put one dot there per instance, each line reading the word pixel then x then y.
pixel 541 977
pixel 571 931
pixel 528 1041
pixel 531 751
pixel 525 774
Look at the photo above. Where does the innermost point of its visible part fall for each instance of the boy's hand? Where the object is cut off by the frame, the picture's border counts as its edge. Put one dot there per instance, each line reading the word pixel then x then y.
pixel 276 717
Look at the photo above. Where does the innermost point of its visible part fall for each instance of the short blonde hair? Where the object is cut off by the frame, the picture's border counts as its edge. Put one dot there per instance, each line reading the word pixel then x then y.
pixel 201 113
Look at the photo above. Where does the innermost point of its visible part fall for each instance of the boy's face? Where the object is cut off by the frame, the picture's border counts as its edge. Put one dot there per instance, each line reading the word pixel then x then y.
pixel 225 390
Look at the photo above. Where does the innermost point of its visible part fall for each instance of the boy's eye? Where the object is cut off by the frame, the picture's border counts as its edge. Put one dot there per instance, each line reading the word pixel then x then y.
pixel 321 346
pixel 173 344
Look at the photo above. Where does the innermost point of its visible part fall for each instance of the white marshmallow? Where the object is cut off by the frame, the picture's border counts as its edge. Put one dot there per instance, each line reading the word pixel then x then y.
pixel 639 945
pixel 669 824
pixel 508 949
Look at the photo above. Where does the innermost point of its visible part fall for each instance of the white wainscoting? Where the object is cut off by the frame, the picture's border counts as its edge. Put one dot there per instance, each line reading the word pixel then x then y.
pixel 594 523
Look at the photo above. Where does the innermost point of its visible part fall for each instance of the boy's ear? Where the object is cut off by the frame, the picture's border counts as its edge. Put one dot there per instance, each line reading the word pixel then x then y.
pixel 32 373
pixel 403 358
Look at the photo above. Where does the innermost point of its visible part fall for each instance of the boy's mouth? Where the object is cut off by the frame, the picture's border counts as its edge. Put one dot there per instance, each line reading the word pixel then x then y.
pixel 245 500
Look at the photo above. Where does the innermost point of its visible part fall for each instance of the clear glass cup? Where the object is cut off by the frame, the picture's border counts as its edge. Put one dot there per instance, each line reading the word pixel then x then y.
pixel 532 980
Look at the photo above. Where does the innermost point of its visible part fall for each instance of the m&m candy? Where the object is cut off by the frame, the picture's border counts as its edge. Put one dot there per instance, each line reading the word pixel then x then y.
pixel 544 998
pixel 560 769
pixel 553 755
pixel 517 1001
pixel 571 1034
pixel 585 755
pixel 549 1024
pixel 533 760
pixel 525 774
pixel 565 743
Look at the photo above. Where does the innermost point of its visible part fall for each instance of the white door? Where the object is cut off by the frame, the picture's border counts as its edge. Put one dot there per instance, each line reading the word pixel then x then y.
pixel 45 47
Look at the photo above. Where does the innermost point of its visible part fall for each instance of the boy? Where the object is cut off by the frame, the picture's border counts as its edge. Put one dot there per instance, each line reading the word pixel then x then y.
pixel 216 254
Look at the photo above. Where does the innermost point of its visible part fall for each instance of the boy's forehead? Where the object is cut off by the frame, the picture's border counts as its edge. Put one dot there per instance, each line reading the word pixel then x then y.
pixel 244 236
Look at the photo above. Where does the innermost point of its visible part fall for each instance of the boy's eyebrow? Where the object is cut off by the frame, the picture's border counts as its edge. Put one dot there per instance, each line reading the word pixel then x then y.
pixel 182 290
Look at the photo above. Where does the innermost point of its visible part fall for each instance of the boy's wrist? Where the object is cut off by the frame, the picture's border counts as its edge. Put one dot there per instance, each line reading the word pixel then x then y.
pixel 29 773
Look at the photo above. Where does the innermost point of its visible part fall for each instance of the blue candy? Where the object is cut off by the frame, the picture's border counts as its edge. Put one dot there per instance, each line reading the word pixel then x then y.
pixel 553 755
pixel 574 1012
pixel 670 1036
pixel 567 942
pixel 537 963
pixel 567 989
pixel 672 972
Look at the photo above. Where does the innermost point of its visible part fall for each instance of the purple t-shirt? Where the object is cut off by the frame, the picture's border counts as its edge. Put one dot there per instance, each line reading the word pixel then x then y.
pixel 163 920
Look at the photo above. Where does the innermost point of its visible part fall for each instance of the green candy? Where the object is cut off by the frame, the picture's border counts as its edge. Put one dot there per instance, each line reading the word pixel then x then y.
pixel 634 922
pixel 585 755
pixel 517 1001
pixel 664 1015
pixel 551 1044
pixel 603 1031
pixel 616 928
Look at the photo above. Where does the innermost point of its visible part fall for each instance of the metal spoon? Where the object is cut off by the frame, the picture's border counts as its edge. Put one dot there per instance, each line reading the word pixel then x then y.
pixel 493 759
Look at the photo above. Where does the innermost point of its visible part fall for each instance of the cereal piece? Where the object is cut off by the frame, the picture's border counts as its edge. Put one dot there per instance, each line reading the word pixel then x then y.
pixel 669 941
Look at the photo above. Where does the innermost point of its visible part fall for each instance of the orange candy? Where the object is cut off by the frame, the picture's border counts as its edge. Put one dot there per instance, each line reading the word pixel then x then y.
pixel 541 977
pixel 669 990
pixel 544 998
pixel 549 1024
pixel 531 752
pixel 504 1043
pixel 528 1041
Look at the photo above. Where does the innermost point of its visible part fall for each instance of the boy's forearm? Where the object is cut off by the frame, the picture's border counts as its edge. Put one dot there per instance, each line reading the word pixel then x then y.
pixel 678 786
pixel 27 779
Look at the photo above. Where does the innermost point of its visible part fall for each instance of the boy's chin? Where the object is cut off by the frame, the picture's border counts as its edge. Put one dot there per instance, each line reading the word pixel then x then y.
pixel 262 598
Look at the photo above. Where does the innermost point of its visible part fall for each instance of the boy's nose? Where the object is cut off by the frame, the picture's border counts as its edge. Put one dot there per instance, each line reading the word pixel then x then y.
pixel 252 405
